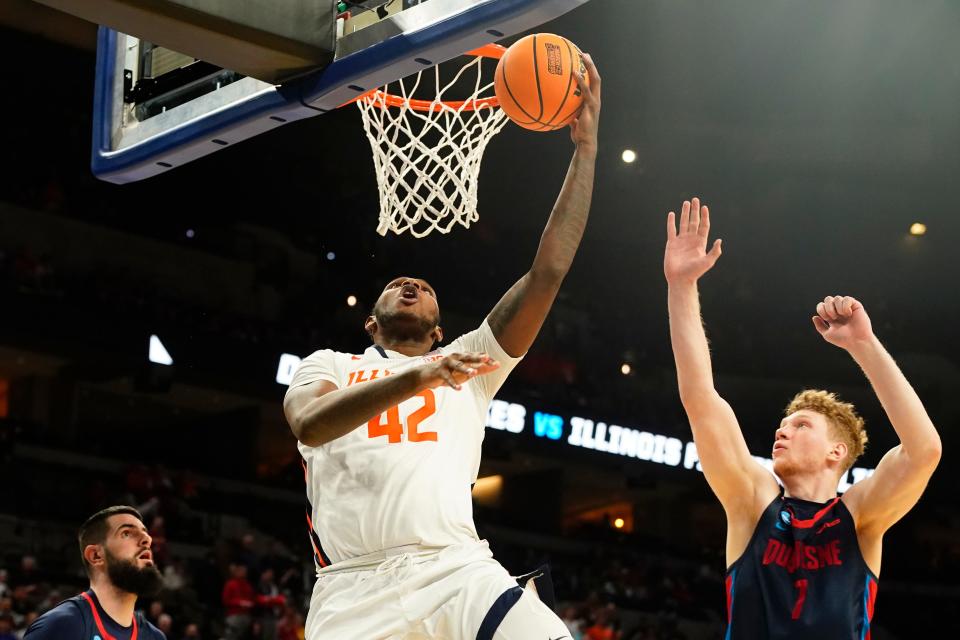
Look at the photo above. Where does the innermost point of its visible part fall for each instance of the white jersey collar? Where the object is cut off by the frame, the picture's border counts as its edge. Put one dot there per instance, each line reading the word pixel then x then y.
pixel 376 351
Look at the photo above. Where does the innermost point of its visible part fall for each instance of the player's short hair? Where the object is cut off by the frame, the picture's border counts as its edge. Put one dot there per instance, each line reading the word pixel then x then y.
pixel 94 530
pixel 842 417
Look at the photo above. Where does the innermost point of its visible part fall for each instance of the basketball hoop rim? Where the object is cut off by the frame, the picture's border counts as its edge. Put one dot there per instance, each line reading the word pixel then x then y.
pixel 382 99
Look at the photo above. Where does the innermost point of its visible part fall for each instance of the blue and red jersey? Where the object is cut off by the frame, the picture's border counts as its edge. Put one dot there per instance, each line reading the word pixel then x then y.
pixel 801 576
pixel 82 618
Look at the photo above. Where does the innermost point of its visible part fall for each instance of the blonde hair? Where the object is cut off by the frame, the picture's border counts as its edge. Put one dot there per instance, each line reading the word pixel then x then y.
pixel 842 417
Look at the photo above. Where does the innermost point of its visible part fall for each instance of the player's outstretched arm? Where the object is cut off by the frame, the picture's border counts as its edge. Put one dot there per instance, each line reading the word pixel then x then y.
pixel 736 479
pixel 880 500
pixel 518 316
pixel 320 412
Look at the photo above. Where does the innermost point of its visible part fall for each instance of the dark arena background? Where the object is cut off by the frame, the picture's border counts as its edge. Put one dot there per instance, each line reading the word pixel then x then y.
pixel 820 133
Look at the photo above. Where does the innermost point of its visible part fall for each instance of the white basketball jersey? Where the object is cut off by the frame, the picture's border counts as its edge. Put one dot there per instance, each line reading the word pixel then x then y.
pixel 403 478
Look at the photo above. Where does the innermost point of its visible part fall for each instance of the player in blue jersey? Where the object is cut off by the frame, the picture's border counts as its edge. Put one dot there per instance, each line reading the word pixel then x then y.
pixel 801 561
pixel 115 548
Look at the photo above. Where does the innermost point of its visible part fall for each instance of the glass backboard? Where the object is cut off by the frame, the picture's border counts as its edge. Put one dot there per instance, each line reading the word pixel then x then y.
pixel 156 109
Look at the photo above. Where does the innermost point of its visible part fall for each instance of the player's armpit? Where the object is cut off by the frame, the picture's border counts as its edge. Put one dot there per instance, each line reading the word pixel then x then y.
pixel 879 501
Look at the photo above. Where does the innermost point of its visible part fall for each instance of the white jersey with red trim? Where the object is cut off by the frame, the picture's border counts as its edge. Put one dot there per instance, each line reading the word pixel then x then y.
pixel 404 478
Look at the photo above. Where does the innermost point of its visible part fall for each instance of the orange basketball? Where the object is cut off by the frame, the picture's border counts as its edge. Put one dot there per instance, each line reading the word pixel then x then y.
pixel 535 82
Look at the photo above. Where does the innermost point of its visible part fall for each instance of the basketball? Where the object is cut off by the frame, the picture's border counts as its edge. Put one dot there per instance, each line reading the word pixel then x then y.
pixel 535 82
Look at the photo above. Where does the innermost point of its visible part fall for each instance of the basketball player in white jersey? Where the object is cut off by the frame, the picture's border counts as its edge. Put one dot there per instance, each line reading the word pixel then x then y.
pixel 391 445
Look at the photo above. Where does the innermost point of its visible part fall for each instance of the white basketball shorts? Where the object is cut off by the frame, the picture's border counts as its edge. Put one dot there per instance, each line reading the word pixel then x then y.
pixel 454 593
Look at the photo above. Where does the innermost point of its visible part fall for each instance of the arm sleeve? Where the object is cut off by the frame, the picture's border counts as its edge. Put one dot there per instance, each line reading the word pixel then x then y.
pixel 65 622
pixel 482 339
pixel 319 365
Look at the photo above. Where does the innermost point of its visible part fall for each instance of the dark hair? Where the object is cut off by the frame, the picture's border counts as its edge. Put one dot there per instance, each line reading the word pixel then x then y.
pixel 94 530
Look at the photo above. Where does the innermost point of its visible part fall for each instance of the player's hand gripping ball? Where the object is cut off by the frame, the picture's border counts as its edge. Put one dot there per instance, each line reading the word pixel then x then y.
pixel 535 82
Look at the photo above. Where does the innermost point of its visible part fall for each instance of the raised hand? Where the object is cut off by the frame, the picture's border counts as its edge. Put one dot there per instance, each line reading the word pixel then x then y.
pixel 583 129
pixel 686 258
pixel 455 369
pixel 842 321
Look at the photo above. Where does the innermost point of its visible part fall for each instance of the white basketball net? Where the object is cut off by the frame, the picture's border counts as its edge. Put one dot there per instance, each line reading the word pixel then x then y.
pixel 428 163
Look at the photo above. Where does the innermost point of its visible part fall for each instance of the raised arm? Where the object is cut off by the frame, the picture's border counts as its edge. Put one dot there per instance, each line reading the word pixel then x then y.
pixel 517 317
pixel 880 500
pixel 320 412
pixel 737 480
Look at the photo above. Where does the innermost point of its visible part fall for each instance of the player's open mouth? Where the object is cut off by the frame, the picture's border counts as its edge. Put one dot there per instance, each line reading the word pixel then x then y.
pixel 146 555
pixel 409 294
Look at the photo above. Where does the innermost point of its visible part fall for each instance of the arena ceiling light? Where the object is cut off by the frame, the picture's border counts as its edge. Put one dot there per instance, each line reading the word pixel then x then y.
pixel 157 353
pixel 488 491
pixel 287 367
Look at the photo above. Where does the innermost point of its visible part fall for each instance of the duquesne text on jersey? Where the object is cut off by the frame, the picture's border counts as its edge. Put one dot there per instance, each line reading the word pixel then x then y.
pixel 800 555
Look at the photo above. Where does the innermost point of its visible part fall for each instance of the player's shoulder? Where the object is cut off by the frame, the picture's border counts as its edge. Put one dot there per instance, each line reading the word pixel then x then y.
pixel 323 361
pixel 147 631
pixel 63 621
pixel 328 355
pixel 323 354
pixel 467 341
pixel 482 339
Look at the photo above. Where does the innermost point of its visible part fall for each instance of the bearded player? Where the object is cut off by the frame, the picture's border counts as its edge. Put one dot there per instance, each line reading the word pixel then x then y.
pixel 391 441
pixel 115 549
pixel 802 562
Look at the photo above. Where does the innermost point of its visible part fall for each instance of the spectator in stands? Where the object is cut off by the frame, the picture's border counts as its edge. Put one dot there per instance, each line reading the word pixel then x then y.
pixel 288 567
pixel 28 574
pixel 603 627
pixel 290 626
pixel 27 621
pixel 52 598
pixel 6 627
pixel 174 576
pixel 573 621
pixel 271 603
pixel 158 531
pixel 248 555
pixel 139 482
pixel 6 609
pixel 238 601
pixel 154 611
pixel 115 549
pixel 165 623
pixel 191 632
